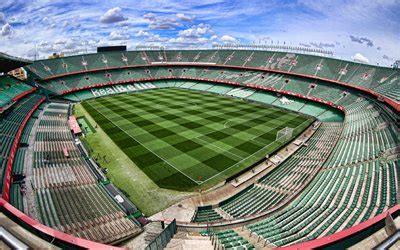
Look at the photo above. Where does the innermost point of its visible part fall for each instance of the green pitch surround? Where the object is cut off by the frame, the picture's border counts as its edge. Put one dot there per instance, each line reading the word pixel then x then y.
pixel 187 140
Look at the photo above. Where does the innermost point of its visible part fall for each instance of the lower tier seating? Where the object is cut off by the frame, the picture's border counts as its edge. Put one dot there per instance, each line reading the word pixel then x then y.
pixel 207 215
pixel 10 123
pixel 338 199
pixel 229 239
pixel 285 180
pixel 66 193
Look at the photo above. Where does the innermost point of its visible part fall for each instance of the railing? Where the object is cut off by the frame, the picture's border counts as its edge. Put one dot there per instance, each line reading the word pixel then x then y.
pixel 275 47
pixel 163 238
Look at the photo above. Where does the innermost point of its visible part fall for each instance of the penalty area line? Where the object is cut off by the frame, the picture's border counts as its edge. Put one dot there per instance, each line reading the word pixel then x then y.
pixel 145 146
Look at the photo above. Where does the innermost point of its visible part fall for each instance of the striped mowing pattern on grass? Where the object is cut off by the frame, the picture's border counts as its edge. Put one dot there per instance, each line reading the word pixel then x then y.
pixel 182 139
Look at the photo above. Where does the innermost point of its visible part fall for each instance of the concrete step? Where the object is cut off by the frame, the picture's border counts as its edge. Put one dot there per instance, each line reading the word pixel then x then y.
pixel 201 244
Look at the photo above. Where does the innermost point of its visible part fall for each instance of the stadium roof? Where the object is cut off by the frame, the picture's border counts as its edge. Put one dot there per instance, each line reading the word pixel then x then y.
pixel 8 63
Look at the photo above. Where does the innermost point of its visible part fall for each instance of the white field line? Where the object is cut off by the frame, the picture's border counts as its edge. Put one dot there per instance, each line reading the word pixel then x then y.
pixel 236 163
pixel 224 150
pixel 260 143
pixel 197 182
pixel 201 182
pixel 244 158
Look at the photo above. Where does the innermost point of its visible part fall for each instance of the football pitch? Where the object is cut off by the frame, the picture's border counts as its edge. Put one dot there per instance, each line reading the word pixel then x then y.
pixel 184 140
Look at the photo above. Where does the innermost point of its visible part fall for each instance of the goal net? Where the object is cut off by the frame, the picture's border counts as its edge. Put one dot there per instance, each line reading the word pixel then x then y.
pixel 284 134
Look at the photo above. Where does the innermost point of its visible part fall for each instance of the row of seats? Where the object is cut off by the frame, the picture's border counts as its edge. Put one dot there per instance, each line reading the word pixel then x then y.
pixel 337 199
pixel 10 88
pixel 10 124
pixel 93 93
pixel 367 134
pixel 358 181
pixel 241 76
pixel 66 192
pixel 16 196
pixel 229 239
pixel 305 87
pixel 381 79
pixel 281 183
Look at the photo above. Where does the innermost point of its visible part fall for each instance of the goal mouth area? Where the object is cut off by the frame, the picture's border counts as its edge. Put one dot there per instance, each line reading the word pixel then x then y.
pixel 284 134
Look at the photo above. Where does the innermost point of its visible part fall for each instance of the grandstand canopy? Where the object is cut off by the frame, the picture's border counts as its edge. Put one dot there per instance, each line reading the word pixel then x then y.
pixel 8 63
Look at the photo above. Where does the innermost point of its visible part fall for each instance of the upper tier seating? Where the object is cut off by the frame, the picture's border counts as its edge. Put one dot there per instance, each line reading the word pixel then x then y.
pixel 10 124
pixel 380 79
pixel 66 192
pixel 10 89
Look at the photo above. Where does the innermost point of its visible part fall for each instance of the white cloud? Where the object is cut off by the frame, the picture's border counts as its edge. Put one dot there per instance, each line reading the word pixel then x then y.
pixel 142 33
pixel 185 18
pixel 228 39
pixel 118 35
pixel 360 58
pixel 156 38
pixel 184 41
pixel 43 21
pixel 113 15
pixel 160 22
pixel 150 37
pixel 196 31
pixel 6 30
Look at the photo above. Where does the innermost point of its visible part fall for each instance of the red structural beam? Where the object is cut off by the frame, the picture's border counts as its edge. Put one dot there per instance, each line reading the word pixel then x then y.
pixel 16 98
pixel 87 244
pixel 14 147
pixel 330 239
pixel 387 100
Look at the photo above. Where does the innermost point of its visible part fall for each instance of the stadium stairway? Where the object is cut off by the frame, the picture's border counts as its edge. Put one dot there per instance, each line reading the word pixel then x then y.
pixel 257 242
pixel 183 240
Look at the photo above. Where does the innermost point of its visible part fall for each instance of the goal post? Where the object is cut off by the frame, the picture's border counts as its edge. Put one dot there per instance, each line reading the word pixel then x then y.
pixel 284 134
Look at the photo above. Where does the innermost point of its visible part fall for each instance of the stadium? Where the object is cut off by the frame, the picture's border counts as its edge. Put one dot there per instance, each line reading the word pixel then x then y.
pixel 234 146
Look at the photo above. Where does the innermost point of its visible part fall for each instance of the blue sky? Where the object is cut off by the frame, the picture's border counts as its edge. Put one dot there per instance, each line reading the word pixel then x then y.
pixel 365 30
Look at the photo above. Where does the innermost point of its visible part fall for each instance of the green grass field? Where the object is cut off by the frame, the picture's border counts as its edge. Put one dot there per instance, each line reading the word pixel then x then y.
pixel 186 140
